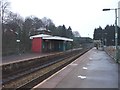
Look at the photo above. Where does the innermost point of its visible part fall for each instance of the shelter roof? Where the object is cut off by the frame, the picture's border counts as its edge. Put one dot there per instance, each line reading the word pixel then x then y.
pixel 50 37
pixel 40 35
pixel 58 38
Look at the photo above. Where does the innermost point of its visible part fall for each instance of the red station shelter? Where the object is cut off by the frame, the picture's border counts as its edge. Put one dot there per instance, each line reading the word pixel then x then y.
pixel 43 42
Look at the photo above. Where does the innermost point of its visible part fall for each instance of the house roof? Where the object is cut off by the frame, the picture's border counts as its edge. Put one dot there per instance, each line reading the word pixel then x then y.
pixel 50 37
pixel 40 29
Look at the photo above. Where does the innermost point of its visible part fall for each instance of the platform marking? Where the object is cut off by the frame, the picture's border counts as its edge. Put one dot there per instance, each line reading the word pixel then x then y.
pixel 85 68
pixel 73 64
pixel 90 58
pixel 82 77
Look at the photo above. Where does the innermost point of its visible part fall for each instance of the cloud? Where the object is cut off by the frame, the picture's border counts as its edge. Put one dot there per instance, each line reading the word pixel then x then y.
pixel 81 15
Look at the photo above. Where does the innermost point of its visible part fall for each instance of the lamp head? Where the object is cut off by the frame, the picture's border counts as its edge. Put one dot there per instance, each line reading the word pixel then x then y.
pixel 106 9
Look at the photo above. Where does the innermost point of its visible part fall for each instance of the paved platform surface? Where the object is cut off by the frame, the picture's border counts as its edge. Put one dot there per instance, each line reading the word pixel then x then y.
pixel 25 56
pixel 22 57
pixel 94 69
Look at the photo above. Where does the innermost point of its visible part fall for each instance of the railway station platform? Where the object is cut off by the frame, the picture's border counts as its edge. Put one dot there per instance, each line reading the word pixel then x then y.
pixel 23 57
pixel 26 56
pixel 94 69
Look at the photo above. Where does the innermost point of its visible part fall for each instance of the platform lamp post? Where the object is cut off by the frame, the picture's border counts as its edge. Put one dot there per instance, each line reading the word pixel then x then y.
pixel 116 32
pixel 18 41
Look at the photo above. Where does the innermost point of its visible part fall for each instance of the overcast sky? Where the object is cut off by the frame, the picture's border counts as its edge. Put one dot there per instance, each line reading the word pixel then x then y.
pixel 82 15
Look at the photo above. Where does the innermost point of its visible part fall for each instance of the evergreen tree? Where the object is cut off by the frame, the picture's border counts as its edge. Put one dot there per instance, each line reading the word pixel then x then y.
pixel 69 32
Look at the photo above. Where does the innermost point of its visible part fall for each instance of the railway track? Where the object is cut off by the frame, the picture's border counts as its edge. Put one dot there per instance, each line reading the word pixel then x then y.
pixel 29 77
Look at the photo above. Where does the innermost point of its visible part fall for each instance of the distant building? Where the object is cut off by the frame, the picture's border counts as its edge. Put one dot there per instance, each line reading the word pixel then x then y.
pixel 119 14
pixel 76 34
pixel 86 40
pixel 43 31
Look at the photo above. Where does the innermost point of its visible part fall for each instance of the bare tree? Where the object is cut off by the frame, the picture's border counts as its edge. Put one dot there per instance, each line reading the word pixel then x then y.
pixel 16 18
pixel 4 5
pixel 47 22
pixel 4 9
